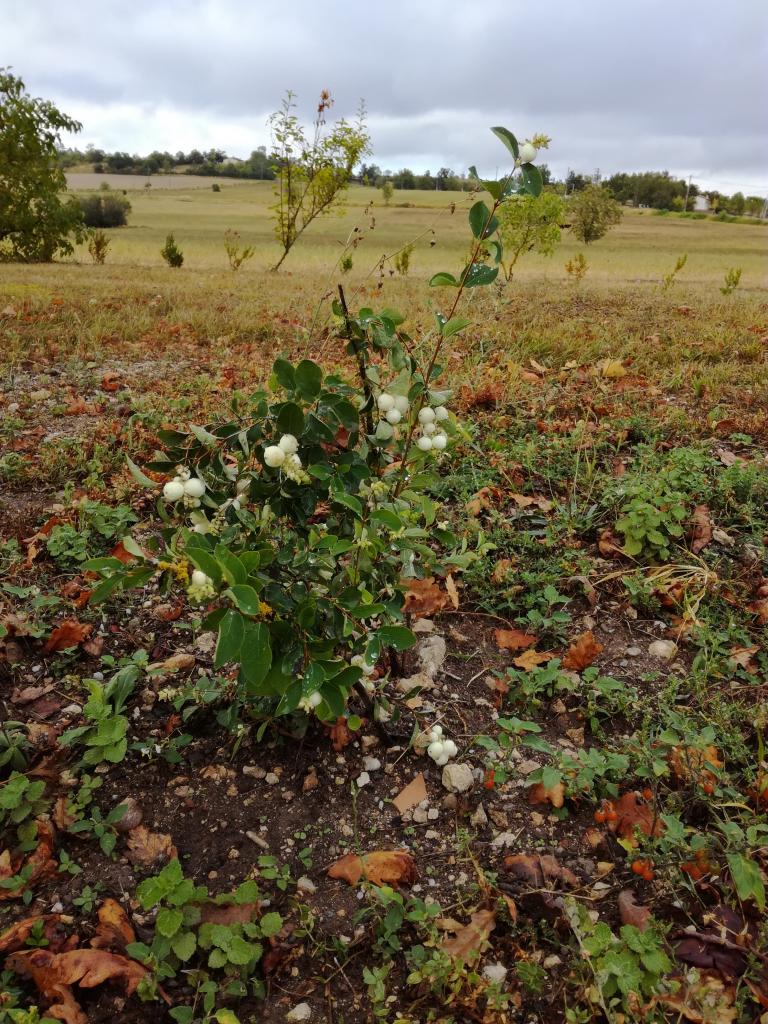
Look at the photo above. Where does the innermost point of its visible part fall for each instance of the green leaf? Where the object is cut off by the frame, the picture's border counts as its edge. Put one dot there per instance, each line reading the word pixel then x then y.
pixel 138 476
pixel 479 216
pixel 290 419
pixel 453 326
pixel 532 180
pixel 309 379
pixel 508 139
pixel 231 632
pixel 255 653
pixel 285 374
pixel 102 590
pixel 492 187
pixel 442 279
pixel 747 878
pixel 225 1016
pixel 270 924
pixel 184 945
pixel 246 598
pixel 232 569
pixel 169 921
pixel 241 952
pixel 396 636
pixel 479 274
pixel 204 436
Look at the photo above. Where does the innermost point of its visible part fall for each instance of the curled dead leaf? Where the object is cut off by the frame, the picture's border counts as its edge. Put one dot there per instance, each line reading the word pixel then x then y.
pixel 530 659
pixel 68 633
pixel 383 867
pixel 554 795
pixel 540 870
pixel 701 534
pixel 114 930
pixel 53 930
pixel 632 912
pixel 424 597
pixel 582 652
pixel 514 639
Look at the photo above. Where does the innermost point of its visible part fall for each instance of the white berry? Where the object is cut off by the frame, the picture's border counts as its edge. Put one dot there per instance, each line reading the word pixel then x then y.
pixel 194 488
pixel 289 444
pixel 439 441
pixel 314 699
pixel 274 456
pixel 428 429
pixel 426 415
pixel 173 490
pixel 435 750
pixel 425 444
pixel 441 413
pixel 385 402
pixel 527 153
pixel 293 460
pixel 394 416
pixel 402 404
pixel 199 578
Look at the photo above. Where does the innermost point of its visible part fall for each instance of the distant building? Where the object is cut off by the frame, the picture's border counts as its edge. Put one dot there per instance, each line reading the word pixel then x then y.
pixel 701 204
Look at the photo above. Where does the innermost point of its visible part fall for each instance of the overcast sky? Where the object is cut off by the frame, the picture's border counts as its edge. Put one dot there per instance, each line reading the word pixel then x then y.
pixel 618 84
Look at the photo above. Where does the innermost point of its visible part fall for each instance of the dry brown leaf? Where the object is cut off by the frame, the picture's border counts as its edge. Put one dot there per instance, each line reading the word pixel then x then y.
pixel 694 762
pixel 540 870
pixel 555 795
pixel 52 924
pixel 424 597
pixel 451 590
pixel 176 663
pixel 383 867
pixel 609 544
pixel 526 500
pixel 742 657
pixel 411 795
pixel 119 552
pixel 530 659
pixel 631 912
pixel 502 570
pixel 582 652
pixel 468 943
pixel 146 847
pixel 68 633
pixel 54 973
pixel 514 639
pixel 114 930
pixel 634 814
pixel 111 382
pixel 228 913
pixel 704 999
pixel 485 498
pixel 702 529
pixel 340 735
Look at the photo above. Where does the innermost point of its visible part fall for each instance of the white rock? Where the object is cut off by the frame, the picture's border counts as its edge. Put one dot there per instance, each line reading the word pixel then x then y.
pixel 666 649
pixel 371 764
pixel 363 779
pixel 302 1011
pixel 431 654
pixel 495 973
pixel 271 779
pixel 305 884
pixel 479 817
pixel 458 778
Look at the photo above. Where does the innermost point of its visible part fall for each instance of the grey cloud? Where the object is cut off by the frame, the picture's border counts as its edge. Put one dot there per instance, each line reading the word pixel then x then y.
pixel 618 85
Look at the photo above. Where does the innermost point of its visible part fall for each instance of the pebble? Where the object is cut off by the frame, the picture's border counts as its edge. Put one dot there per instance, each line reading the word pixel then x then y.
pixel 479 817
pixel 302 1011
pixel 495 973
pixel 305 884
pixel 666 649
pixel 256 838
pixel 458 777
pixel 420 816
pixel 633 652
pixel 255 771
pixel 363 779
pixel 371 764
pixel 271 779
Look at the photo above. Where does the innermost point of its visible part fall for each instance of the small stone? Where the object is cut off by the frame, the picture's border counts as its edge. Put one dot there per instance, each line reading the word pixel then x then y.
pixel 271 779
pixel 433 814
pixel 369 742
pixel 57 907
pixel 458 777
pixel 665 649
pixel 495 973
pixel 431 654
pixel 449 802
pixel 528 766
pixel 419 626
pixel 302 1011
pixel 479 817
pixel 504 839
pixel 431 834
pixel 306 885
pixel 363 779
pixel 256 838
pixel 254 771
pixel 633 652
pixel 551 961
pixel 371 764
pixel 234 854
pixel 419 815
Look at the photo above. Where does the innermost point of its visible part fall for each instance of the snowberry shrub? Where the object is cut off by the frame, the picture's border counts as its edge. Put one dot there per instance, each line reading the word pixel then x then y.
pixel 296 525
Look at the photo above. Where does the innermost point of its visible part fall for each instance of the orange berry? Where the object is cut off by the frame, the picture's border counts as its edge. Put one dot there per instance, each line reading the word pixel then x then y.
pixel 647 875
pixel 639 866
pixel 648 793
pixel 490 779
pixel 599 817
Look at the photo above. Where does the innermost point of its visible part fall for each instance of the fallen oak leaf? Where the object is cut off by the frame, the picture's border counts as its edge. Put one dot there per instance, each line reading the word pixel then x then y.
pixel 539 870
pixel 554 795
pixel 632 912
pixel 582 652
pixel 111 382
pixel 114 929
pixel 514 639
pixel 55 973
pixel 146 847
pixel 530 659
pixel 424 597
pixel 631 812
pixel 383 867
pixel 228 913
pixel 68 633
pixel 15 937
pixel 468 943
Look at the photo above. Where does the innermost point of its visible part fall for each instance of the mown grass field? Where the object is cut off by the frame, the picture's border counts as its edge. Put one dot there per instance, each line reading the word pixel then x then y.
pixel 608 861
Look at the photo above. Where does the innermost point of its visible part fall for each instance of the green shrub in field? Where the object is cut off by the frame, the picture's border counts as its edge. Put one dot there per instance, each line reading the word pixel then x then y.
pixel 530 224
pixel 171 253
pixel 298 522
pixel 105 209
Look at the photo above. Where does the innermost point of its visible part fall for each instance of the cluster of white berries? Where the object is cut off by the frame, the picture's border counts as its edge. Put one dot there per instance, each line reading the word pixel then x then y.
pixel 184 487
pixel 310 702
pixel 283 456
pixel 440 749
pixel 200 587
pixel 394 407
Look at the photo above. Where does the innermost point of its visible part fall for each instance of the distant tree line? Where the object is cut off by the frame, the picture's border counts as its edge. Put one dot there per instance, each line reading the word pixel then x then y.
pixel 657 190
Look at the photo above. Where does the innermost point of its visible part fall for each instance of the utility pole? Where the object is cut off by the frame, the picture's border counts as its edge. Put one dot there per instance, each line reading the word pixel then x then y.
pixel 688 189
